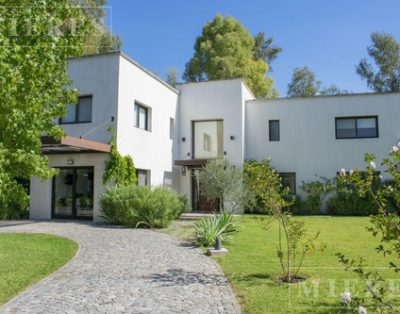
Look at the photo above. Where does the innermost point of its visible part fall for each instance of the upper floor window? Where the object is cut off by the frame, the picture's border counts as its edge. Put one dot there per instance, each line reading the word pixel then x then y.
pixel 141 117
pixel 274 131
pixel 208 139
pixel 356 127
pixel 79 113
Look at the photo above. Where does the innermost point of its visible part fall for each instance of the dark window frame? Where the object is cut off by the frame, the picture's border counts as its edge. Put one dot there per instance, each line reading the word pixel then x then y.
pixel 148 176
pixel 270 122
pixel 356 118
pixel 294 177
pixel 136 123
pixel 76 121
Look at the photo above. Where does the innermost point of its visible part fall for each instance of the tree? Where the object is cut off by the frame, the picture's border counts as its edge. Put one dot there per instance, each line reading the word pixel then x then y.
pixel 36 39
pixel 225 50
pixel 384 74
pixel 385 226
pixel 292 247
pixel 101 39
pixel 224 181
pixel 264 49
pixel 333 90
pixel 119 169
pixel 304 83
pixel 172 77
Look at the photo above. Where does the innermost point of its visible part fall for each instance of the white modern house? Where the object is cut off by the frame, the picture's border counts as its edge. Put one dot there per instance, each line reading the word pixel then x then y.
pixel 171 133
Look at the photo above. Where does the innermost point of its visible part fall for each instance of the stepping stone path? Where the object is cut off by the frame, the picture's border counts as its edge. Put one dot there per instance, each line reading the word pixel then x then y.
pixel 119 270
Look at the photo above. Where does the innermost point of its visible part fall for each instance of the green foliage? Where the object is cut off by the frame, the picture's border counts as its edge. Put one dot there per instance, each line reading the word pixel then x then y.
pixel 384 74
pixel 100 39
pixel 293 245
pixel 303 84
pixel 224 181
pixel 265 184
pixel 225 50
pixel 208 229
pixel 140 206
pixel 264 49
pixel 118 169
pixel 316 192
pixel 34 85
pixel 385 225
pixel 347 202
pixel 172 77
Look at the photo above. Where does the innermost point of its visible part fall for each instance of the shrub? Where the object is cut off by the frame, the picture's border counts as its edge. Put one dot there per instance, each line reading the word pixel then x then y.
pixel 316 192
pixel 208 229
pixel 348 202
pixel 140 206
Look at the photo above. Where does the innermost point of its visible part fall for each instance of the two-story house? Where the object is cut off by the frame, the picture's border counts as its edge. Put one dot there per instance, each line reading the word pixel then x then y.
pixel 171 133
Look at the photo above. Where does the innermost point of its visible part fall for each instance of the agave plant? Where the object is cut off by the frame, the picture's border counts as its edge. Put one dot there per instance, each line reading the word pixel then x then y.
pixel 208 229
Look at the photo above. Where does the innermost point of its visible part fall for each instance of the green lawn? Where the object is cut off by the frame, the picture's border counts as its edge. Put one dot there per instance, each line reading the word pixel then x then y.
pixel 252 266
pixel 27 258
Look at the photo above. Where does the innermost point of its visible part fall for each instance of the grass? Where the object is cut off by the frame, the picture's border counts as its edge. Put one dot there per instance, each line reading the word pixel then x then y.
pixel 253 268
pixel 27 258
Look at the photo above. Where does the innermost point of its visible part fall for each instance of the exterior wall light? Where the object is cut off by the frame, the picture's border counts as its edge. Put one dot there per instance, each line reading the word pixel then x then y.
pixel 183 139
pixel 70 162
pixel 232 137
pixel 183 171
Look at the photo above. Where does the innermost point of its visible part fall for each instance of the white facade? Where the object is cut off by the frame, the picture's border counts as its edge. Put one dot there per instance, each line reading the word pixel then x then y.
pixel 124 94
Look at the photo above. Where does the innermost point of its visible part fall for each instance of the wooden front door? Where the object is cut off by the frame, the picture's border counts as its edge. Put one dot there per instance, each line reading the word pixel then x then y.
pixel 199 201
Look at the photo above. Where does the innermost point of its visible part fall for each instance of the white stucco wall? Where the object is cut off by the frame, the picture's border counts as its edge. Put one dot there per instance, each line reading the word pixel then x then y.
pixel 41 191
pixel 214 100
pixel 96 76
pixel 307 143
pixel 151 150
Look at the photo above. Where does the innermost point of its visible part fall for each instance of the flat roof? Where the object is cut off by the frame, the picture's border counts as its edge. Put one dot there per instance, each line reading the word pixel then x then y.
pixel 72 145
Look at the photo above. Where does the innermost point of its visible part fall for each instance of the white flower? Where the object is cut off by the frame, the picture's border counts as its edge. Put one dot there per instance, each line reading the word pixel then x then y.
pixel 351 172
pixel 346 297
pixel 372 164
pixel 395 149
pixel 390 188
pixel 362 310
pixel 342 172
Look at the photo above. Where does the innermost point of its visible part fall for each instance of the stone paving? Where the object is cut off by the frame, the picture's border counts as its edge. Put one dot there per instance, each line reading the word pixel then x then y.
pixel 118 270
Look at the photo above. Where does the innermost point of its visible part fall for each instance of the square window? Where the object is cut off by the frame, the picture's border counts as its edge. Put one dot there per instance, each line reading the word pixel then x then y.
pixel 274 130
pixel 80 112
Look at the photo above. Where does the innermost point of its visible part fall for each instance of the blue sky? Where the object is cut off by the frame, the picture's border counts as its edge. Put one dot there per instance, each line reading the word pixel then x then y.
pixel 328 36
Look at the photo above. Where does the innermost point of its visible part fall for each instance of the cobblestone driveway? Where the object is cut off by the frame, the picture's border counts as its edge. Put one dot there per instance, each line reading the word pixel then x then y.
pixel 120 270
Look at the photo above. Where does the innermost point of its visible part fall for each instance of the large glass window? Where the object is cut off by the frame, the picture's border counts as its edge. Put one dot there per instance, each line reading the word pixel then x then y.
pixel 274 132
pixel 141 117
pixel 73 193
pixel 356 127
pixel 208 139
pixel 79 113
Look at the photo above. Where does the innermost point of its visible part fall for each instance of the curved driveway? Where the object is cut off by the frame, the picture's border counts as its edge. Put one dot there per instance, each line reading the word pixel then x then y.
pixel 118 270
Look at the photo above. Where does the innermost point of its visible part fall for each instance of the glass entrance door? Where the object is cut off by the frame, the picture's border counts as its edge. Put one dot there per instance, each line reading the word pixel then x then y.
pixel 73 193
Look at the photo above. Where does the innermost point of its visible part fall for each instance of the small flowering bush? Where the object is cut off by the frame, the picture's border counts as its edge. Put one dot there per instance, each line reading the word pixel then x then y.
pixel 385 225
pixel 293 245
